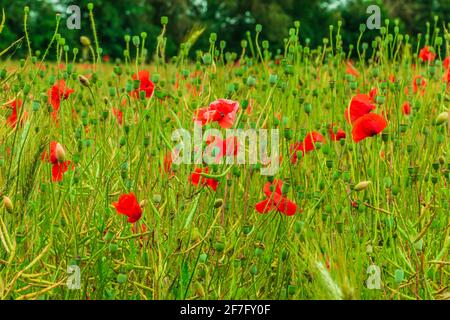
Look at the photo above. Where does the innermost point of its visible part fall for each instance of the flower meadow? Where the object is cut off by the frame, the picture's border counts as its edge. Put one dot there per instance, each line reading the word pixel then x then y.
pixel 358 207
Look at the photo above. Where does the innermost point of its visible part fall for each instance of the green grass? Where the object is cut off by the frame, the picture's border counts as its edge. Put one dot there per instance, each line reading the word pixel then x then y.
pixel 193 250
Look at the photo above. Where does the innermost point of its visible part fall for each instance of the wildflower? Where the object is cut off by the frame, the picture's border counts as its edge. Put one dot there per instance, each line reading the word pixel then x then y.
pixel 307 145
pixel 118 114
pixel 145 84
pixel 57 159
pixel 360 105
pixel 276 200
pixel 129 206
pixel 367 126
pixel 219 148
pixel 339 135
pixel 56 94
pixel 222 111
pixel 195 178
pixel 419 83
pixel 426 55
pixel 362 185
pixel 15 105
pixel 350 69
pixel 406 108
pixel 447 62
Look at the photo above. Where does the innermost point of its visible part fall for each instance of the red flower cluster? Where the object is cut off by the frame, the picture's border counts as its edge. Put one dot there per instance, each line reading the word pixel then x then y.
pixel 276 200
pixel 222 111
pixel 360 105
pixel 365 124
pixel 128 206
pixel 426 55
pixel 59 167
pixel 340 134
pixel 145 84
pixel 195 178
pixel 56 94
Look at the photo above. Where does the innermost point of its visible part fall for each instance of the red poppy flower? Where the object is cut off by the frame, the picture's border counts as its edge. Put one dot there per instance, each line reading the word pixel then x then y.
pixel 12 119
pixel 447 62
pixel 128 205
pixel 106 58
pixel 447 76
pixel 350 69
pixel 307 145
pixel 373 94
pixel 56 94
pixel 419 83
pixel 58 168
pixel 222 111
pixel 145 84
pixel 118 114
pixel 219 148
pixel 426 55
pixel 360 105
pixel 340 134
pixel 367 126
pixel 195 178
pixel 276 200
pixel 168 162
pixel 406 108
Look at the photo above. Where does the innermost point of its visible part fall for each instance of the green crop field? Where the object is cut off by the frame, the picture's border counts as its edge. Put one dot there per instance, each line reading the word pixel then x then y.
pixel 304 173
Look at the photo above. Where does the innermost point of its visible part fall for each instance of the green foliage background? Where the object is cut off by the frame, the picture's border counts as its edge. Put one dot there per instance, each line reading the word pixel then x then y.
pixel 230 19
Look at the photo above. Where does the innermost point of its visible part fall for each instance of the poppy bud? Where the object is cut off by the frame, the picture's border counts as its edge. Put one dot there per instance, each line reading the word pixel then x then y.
pixel 8 204
pixel 83 80
pixel 362 185
pixel 85 41
pixel 441 118
pixel 143 203
pixel 60 153
pixel 218 203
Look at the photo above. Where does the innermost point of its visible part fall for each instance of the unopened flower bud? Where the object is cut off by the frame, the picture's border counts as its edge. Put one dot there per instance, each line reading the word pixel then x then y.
pixel 8 204
pixel 60 153
pixel 83 80
pixel 362 185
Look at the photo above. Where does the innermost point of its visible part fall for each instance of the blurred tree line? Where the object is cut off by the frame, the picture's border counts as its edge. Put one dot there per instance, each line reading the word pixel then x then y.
pixel 230 19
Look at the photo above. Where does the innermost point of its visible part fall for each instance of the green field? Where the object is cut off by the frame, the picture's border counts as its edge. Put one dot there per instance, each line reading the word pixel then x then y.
pixel 358 208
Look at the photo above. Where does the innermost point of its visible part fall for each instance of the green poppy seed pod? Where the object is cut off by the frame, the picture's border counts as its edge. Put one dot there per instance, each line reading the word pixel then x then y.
pixel 122 278
pixel 164 20
pixel 83 80
pixel 144 35
pixel 219 246
pixel 136 41
pixel 157 198
pixel 362 185
pixel 202 258
pixel 26 9
pixel 90 6
pixel 60 154
pixel 441 118
pixel 8 204
pixel 307 107
pixel 258 28
pixel 218 203
pixel 251 81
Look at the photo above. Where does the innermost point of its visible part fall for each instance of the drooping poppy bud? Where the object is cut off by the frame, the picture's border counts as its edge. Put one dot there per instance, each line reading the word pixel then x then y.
pixel 8 204
pixel 362 185
pixel 60 154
